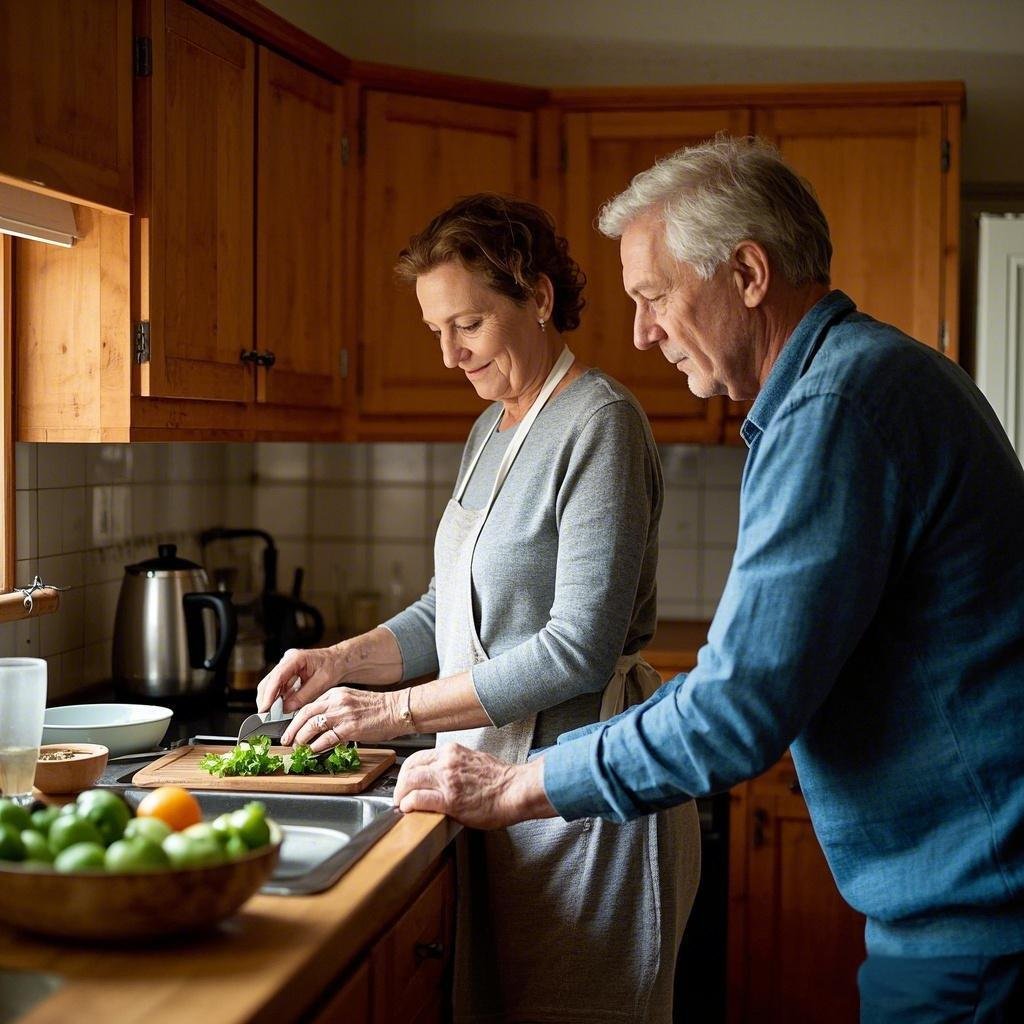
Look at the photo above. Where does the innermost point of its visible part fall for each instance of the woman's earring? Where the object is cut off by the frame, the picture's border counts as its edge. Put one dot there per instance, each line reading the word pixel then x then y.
pixel 543 324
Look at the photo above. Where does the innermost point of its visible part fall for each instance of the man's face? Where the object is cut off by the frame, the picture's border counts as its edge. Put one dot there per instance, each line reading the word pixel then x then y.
pixel 701 327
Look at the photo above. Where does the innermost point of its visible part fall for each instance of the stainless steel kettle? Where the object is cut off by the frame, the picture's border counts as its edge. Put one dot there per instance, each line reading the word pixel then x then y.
pixel 166 641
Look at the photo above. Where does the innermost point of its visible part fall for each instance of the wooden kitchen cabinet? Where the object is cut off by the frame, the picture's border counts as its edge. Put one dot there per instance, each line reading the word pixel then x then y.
pixel 405 977
pixel 603 151
pixel 66 99
pixel 794 943
pixel 883 159
pixel 422 153
pixel 232 328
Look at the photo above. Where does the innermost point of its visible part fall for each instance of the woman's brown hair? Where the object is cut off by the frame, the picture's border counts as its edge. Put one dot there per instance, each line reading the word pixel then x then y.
pixel 509 243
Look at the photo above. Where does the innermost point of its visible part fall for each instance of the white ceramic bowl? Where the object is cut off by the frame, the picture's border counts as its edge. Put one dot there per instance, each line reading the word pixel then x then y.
pixel 121 728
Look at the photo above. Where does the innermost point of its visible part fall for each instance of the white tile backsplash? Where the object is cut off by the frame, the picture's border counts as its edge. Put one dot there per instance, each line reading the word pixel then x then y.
pixel 345 513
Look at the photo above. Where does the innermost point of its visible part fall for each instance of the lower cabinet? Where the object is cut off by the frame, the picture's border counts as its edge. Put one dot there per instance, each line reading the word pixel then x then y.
pixel 794 943
pixel 405 976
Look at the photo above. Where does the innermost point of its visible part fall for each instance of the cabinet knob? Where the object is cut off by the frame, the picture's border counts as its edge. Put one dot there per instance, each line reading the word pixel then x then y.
pixel 760 827
pixel 429 951
pixel 257 358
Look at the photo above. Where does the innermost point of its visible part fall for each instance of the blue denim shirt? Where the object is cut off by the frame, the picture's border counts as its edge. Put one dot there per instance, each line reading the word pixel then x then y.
pixel 873 621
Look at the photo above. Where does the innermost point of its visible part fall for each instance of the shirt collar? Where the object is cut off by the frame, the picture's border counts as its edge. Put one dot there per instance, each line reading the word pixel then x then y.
pixel 796 355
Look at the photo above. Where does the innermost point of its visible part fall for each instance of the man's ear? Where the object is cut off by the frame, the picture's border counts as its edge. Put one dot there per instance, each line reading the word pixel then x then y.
pixel 544 296
pixel 751 273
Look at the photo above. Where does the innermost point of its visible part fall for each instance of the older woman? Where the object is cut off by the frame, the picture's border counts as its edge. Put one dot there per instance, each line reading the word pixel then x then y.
pixel 543 597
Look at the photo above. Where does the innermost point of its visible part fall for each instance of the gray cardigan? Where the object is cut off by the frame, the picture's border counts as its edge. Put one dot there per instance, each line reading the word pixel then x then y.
pixel 564 570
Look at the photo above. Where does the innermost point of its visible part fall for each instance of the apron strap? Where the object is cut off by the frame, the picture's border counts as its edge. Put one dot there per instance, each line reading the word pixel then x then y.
pixel 613 700
pixel 558 371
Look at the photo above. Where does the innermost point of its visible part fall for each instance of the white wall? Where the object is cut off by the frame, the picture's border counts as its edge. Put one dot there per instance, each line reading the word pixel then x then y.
pixel 660 42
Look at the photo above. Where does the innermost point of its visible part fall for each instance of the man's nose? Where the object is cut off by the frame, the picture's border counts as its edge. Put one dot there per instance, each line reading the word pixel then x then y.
pixel 646 332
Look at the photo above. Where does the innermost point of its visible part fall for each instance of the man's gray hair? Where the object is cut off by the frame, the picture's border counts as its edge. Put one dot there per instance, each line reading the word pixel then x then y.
pixel 713 196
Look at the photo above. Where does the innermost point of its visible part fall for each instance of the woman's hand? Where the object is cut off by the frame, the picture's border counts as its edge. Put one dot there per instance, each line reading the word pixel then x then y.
pixel 345 714
pixel 299 677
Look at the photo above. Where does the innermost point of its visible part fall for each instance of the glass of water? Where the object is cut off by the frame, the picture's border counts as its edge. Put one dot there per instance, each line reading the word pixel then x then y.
pixel 22 703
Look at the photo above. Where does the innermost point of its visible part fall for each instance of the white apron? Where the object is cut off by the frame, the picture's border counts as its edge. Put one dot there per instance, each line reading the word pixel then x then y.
pixel 557 921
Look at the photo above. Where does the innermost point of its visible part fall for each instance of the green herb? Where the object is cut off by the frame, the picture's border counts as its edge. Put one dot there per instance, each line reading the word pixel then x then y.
pixel 253 757
pixel 343 759
pixel 303 761
pixel 250 757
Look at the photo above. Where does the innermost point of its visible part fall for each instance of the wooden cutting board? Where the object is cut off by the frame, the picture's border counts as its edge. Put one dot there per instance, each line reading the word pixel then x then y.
pixel 180 767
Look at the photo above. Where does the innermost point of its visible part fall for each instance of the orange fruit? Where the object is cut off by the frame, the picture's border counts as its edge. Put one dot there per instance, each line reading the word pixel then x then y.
pixel 172 805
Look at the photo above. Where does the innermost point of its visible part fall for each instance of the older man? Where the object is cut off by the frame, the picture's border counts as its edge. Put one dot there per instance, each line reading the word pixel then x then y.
pixel 873 620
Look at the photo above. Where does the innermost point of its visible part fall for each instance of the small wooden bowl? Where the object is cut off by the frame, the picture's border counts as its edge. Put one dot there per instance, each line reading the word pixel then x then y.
pixel 73 774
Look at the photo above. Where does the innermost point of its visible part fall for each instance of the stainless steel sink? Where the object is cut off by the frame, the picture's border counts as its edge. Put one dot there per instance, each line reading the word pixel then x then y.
pixel 21 990
pixel 323 835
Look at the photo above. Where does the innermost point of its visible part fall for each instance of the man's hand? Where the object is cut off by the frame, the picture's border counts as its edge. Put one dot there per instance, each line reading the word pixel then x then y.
pixel 474 788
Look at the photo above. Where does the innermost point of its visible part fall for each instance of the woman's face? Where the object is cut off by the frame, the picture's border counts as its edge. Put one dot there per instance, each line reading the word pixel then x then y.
pixel 498 345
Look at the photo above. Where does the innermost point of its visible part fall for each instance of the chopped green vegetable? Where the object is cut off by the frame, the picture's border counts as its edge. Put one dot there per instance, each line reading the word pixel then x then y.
pixel 343 759
pixel 253 757
pixel 250 757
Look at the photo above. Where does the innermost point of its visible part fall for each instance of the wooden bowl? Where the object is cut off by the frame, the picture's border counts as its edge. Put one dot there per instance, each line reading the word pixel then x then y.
pixel 97 905
pixel 74 774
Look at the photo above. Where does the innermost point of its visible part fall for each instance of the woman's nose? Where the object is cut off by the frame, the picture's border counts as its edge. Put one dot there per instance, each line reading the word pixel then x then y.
pixel 451 351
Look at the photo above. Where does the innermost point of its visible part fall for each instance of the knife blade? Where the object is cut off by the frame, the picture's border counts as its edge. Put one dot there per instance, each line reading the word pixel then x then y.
pixel 272 723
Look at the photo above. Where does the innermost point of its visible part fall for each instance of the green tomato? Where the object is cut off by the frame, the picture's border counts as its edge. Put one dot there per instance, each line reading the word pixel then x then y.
pixel 153 829
pixel 222 826
pixel 192 851
pixel 14 814
pixel 106 810
pixel 251 824
pixel 202 830
pixel 11 845
pixel 44 818
pixel 36 846
pixel 70 829
pixel 80 857
pixel 138 854
pixel 235 847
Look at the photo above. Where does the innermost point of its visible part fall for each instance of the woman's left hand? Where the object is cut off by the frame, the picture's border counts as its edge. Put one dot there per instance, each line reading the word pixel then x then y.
pixel 344 714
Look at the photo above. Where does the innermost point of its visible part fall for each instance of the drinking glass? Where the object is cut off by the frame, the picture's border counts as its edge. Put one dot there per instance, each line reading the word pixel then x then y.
pixel 22 703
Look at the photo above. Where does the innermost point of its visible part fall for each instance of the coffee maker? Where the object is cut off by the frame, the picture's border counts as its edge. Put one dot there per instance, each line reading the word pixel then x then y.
pixel 269 622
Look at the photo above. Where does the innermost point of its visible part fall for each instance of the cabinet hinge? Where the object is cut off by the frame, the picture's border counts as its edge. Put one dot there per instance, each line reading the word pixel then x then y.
pixel 362 137
pixel 343 363
pixel 141 340
pixel 943 337
pixel 143 56
pixel 946 155
pixel 346 150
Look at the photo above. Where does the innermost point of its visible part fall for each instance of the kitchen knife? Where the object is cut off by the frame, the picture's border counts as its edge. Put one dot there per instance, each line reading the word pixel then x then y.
pixel 272 723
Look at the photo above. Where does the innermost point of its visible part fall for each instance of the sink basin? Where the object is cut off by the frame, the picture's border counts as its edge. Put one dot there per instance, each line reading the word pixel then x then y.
pixel 323 835
pixel 21 990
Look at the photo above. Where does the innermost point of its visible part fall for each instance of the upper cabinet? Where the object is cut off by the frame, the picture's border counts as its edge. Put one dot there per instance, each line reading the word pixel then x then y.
pixel 421 154
pixel 883 160
pixel 603 150
pixel 66 98
pixel 193 235
pixel 252 295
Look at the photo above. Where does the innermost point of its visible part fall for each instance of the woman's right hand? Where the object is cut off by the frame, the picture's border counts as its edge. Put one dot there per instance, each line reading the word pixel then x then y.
pixel 299 677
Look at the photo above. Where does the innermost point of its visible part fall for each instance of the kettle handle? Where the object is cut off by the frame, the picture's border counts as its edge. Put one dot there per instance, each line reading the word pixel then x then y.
pixel 227 627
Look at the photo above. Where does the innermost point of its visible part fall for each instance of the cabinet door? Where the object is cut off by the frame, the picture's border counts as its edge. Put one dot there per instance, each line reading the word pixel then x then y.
pixel 421 155
pixel 195 232
pixel 410 963
pixel 800 942
pixel 878 174
pixel 65 98
pixel 604 151
pixel 299 232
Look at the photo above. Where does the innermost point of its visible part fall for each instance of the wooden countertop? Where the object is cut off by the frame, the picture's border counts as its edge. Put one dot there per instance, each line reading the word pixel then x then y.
pixel 269 962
